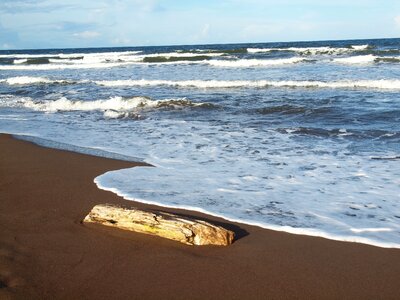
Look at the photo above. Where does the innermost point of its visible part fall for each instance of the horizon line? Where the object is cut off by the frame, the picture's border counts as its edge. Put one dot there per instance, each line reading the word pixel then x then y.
pixel 206 44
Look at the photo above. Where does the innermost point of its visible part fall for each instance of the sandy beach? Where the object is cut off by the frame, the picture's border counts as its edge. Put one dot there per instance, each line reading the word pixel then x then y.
pixel 47 253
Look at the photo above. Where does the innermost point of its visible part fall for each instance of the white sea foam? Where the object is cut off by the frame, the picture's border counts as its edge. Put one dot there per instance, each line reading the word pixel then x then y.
pixel 42 67
pixel 63 61
pixel 305 50
pixel 115 107
pixel 360 59
pixel 264 192
pixel 71 55
pixel 185 83
pixel 158 183
pixel 20 61
pixel 108 57
pixel 116 104
pixel 246 63
pixel 64 104
pixel 72 61
pixel 27 80
pixel 258 50
pixel 94 60
pixel 113 114
pixel 181 54
pixel 389 84
pixel 392 157
pixel 373 84
pixel 360 230
pixel 27 56
pixel 312 50
pixel 389 59
pixel 360 47
pixel 119 59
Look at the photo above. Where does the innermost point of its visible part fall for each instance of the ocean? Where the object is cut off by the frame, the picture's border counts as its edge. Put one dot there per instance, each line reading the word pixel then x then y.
pixel 301 137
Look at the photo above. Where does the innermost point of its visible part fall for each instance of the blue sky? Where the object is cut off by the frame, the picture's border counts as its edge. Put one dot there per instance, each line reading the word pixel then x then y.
pixel 26 24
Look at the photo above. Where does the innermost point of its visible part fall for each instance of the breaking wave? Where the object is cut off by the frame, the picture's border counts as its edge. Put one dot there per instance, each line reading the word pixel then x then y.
pixel 374 84
pixel 367 59
pixel 99 55
pixel 246 63
pixel 303 51
pixel 360 59
pixel 68 61
pixel 163 59
pixel 218 52
pixel 95 60
pixel 388 59
pixel 389 84
pixel 361 47
pixel 27 80
pixel 312 50
pixel 115 107
pixel 60 66
pixel 230 58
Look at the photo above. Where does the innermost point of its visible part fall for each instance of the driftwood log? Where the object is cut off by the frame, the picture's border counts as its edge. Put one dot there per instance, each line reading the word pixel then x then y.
pixel 185 230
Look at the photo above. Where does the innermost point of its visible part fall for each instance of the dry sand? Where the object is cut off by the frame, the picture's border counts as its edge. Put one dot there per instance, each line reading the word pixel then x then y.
pixel 47 253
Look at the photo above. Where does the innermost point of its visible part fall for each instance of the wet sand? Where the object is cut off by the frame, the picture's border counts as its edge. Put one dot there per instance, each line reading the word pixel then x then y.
pixel 47 253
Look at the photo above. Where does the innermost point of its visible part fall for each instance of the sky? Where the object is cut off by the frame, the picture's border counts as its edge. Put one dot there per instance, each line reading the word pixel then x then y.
pixel 40 24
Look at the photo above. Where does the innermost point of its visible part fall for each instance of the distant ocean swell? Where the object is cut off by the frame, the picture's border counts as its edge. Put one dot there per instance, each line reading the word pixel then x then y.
pixel 234 58
pixel 221 63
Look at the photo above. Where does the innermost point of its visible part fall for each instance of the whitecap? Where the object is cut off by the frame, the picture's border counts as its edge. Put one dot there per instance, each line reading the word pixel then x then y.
pixel 63 66
pixel 111 106
pixel 71 55
pixel 27 80
pixel 303 50
pixel 360 47
pixel 360 59
pixel 246 63
pixel 373 84
pixel 20 61
pixel 73 60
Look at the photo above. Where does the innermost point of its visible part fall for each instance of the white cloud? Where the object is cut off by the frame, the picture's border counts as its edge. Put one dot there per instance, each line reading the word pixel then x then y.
pixel 86 34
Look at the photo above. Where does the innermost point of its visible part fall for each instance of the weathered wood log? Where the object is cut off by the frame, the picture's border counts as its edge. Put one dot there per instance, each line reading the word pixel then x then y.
pixel 182 229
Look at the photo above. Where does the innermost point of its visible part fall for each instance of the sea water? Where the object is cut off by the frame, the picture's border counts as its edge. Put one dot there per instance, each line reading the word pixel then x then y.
pixel 300 137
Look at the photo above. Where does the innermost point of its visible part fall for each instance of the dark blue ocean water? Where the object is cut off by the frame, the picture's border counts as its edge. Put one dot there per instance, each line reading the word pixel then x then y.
pixel 302 137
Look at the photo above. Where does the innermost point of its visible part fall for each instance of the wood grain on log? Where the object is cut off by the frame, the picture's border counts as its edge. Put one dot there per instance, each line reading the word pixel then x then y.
pixel 185 230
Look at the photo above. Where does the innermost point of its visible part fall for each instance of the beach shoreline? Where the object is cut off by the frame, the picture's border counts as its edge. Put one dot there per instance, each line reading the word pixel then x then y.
pixel 47 253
